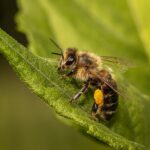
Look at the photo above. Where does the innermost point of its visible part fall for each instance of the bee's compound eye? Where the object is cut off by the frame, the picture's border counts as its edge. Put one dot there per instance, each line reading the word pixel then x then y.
pixel 70 60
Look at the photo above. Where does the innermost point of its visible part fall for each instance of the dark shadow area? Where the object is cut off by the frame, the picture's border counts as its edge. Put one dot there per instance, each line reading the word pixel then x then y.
pixel 8 9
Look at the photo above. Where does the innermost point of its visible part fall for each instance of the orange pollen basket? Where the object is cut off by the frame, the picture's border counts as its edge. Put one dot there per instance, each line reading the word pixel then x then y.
pixel 98 97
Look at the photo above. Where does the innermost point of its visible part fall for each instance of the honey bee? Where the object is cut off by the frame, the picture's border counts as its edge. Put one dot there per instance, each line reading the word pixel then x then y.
pixel 88 68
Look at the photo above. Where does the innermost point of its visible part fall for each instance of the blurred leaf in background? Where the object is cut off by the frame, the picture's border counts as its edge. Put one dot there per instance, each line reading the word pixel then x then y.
pixel 140 11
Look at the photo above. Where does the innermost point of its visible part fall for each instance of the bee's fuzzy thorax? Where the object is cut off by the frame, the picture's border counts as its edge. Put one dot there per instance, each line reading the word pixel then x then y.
pixel 90 58
pixel 87 65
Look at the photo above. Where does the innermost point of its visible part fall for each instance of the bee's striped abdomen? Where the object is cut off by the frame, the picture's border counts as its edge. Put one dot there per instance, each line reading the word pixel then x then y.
pixel 105 101
pixel 110 105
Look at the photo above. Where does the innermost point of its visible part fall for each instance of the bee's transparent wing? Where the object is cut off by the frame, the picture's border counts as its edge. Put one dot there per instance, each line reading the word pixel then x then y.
pixel 116 66
pixel 122 87
pixel 120 64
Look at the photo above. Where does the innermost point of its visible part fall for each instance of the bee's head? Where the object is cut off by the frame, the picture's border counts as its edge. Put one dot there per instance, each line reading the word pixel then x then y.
pixel 68 60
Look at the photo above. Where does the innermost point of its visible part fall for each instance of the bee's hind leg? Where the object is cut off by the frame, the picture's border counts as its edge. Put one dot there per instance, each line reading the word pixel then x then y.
pixel 97 114
pixel 84 89
pixel 94 112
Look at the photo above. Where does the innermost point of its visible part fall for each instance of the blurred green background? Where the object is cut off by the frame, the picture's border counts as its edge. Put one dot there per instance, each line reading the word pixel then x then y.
pixel 26 123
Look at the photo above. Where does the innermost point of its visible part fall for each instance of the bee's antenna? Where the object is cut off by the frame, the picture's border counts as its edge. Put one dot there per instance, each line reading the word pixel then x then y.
pixel 56 53
pixel 57 47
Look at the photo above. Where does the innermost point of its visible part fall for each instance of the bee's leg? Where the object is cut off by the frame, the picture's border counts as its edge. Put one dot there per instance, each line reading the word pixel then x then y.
pixel 71 73
pixel 68 74
pixel 94 108
pixel 97 114
pixel 94 111
pixel 84 88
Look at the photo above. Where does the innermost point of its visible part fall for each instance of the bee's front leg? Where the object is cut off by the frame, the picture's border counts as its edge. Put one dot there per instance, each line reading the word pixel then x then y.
pixel 84 89
pixel 64 76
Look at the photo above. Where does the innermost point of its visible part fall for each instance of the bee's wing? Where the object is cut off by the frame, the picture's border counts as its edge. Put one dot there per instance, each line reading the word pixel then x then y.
pixel 116 66
pixel 121 87
pixel 116 63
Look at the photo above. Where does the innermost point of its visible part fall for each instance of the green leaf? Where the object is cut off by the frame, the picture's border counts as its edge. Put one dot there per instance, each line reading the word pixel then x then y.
pixel 41 76
pixel 140 11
